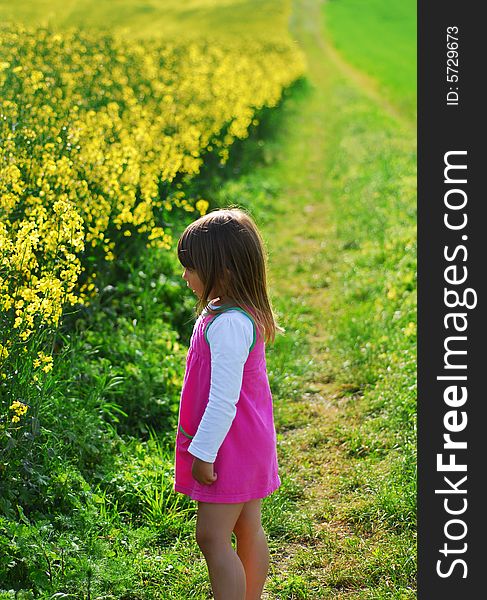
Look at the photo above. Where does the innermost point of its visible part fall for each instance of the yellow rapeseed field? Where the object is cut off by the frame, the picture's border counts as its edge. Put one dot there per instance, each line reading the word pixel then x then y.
pixel 94 130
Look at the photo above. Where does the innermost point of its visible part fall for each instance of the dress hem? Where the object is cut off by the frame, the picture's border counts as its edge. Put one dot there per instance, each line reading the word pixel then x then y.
pixel 228 499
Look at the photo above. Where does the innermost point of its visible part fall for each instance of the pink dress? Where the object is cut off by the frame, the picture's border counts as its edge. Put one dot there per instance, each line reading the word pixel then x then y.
pixel 246 463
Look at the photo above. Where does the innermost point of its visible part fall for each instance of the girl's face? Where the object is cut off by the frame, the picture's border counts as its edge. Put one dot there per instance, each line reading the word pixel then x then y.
pixel 193 281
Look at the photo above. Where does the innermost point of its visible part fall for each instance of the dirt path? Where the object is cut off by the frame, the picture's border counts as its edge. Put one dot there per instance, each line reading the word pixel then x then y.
pixel 311 453
pixel 306 24
pixel 314 459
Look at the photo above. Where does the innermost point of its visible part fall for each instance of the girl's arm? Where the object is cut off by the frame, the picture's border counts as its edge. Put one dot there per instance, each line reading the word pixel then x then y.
pixel 230 338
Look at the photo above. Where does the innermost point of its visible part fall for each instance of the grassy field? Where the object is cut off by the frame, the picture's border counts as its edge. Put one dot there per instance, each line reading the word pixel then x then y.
pixel 330 179
pixel 342 242
pixel 379 38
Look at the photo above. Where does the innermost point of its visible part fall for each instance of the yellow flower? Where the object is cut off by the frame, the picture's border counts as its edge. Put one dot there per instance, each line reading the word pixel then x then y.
pixel 19 409
pixel 410 329
pixel 202 206
pixel 70 175
pixel 44 359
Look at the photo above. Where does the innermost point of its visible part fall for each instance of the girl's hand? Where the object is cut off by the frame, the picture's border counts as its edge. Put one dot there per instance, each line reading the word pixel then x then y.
pixel 203 472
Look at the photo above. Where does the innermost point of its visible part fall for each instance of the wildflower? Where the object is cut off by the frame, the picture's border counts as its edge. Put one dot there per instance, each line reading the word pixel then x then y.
pixel 410 329
pixel 202 206
pixel 43 359
pixel 70 174
pixel 19 408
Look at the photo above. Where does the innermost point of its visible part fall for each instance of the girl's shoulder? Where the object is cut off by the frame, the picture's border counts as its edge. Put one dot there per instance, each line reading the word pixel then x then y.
pixel 233 324
pixel 230 313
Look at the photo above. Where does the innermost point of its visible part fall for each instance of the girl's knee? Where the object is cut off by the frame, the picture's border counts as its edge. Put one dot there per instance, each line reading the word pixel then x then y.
pixel 249 522
pixel 203 538
pixel 209 540
pixel 214 525
pixel 248 530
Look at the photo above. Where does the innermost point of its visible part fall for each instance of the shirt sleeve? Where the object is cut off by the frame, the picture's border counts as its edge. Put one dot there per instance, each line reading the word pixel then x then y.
pixel 230 337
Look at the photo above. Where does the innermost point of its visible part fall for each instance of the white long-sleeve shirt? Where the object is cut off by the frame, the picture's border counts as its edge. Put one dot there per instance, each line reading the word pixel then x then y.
pixel 230 337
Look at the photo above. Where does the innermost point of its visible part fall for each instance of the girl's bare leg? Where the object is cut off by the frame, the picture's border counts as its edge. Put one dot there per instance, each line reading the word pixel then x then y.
pixel 214 526
pixel 252 548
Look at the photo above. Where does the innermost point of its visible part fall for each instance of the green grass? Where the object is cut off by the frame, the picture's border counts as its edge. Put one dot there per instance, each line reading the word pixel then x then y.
pixel 99 519
pixel 379 38
pixel 345 276
pixel 362 259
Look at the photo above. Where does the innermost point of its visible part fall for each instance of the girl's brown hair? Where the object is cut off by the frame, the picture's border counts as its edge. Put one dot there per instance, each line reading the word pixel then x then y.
pixel 227 252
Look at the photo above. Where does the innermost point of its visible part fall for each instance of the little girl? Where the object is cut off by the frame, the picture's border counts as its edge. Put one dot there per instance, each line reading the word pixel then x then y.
pixel 226 440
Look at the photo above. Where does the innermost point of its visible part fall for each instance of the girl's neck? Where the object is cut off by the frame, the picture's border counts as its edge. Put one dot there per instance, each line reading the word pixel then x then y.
pixel 219 301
